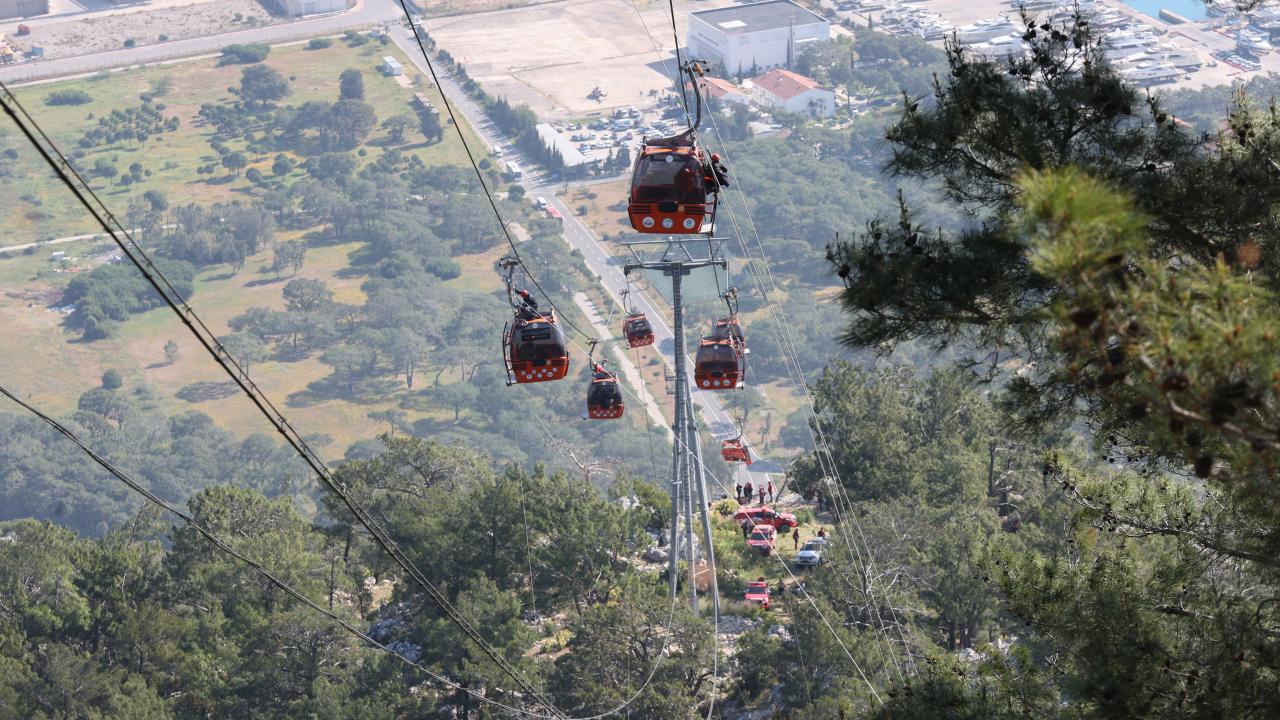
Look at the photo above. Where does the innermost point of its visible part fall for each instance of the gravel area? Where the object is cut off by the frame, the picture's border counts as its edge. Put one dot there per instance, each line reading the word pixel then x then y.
pixel 84 36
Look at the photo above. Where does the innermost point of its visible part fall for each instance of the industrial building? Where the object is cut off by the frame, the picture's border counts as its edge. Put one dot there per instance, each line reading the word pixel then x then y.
pixel 23 8
pixel 747 39
pixel 299 8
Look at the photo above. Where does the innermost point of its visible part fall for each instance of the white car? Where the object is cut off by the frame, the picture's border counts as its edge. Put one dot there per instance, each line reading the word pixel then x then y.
pixel 811 553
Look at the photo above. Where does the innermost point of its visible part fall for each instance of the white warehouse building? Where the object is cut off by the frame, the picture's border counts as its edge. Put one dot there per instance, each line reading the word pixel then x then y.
pixel 748 39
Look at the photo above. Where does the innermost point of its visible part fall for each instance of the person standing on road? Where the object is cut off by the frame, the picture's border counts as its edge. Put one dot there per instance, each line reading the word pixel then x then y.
pixel 760 494
pixel 795 538
pixel 822 532
pixel 737 491
pixel 771 491
pixel 746 492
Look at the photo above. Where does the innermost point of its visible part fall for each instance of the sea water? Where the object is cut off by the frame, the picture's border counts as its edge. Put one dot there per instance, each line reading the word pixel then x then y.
pixel 1190 9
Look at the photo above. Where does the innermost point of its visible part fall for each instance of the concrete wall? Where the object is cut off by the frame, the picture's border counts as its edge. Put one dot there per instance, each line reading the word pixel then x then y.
pixel 299 8
pixel 23 8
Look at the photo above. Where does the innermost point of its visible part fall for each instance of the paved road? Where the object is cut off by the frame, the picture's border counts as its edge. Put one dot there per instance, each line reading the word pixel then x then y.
pixel 580 238
pixel 366 13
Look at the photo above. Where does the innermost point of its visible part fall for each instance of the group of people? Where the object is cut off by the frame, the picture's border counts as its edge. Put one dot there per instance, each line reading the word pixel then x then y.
pixel 745 491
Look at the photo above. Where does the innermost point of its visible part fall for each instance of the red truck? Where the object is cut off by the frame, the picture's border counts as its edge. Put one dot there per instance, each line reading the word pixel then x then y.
pixel 757 592
pixel 763 538
pixel 764 515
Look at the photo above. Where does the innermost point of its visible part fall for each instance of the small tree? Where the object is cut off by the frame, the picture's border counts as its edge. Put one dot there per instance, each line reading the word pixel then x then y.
pixel 396 126
pixel 234 162
pixel 351 85
pixel 282 165
pixel 111 379
pixel 429 124
pixel 170 352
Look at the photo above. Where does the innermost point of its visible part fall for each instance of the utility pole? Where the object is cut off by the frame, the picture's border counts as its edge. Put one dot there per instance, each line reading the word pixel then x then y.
pixel 680 257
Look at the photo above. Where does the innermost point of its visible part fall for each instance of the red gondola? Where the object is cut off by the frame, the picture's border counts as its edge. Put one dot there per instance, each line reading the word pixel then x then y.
pixel 669 195
pixel 674 185
pixel 535 350
pixel 604 397
pixel 735 451
pixel 719 365
pixel 637 331
pixel 533 344
pixel 721 362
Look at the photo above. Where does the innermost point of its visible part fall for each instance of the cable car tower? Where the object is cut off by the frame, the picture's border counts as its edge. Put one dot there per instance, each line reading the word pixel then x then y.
pixel 679 257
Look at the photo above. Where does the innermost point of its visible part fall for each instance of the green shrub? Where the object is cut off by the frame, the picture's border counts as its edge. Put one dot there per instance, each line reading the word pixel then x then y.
pixel 244 54
pixel 68 97
pixel 727 507
pixel 442 267
pixel 319 43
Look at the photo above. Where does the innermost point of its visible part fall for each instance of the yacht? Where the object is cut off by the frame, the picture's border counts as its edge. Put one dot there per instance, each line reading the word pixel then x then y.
pixel 984 30
pixel 1001 47
pixel 1253 41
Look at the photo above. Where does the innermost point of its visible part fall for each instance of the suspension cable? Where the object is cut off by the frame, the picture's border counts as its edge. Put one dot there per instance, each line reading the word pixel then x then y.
pixel 175 301
pixel 475 165
pixel 254 565
pixel 790 359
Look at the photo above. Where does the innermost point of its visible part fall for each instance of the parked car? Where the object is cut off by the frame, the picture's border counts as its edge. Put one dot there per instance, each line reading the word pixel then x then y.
pixel 763 538
pixel 812 552
pixel 764 515
pixel 757 592
pixel 541 203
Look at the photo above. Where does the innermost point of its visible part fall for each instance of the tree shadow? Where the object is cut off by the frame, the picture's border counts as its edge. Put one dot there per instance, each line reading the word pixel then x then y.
pixel 206 391
pixel 332 387
pixel 220 180
pixel 266 281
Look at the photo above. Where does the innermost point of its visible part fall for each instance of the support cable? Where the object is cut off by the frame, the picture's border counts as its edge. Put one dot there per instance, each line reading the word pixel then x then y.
pixel 790 359
pixel 475 165
pixel 132 250
pixel 253 564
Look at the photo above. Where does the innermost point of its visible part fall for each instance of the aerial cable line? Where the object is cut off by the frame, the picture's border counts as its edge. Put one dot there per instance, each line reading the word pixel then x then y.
pixel 253 564
pixel 782 331
pixel 475 165
pixel 790 358
pixel 511 241
pixel 132 250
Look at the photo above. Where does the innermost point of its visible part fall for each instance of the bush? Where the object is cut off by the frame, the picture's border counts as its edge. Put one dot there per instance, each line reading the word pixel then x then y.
pixel 442 267
pixel 727 507
pixel 319 43
pixel 130 42
pixel 68 97
pixel 245 54
pixel 111 379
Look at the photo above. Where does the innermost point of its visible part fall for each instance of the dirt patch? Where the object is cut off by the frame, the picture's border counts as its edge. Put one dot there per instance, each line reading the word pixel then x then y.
pixel 84 36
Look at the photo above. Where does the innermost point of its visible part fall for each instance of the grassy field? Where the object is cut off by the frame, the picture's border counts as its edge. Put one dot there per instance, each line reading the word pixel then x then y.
pixel 50 364
pixel 35 207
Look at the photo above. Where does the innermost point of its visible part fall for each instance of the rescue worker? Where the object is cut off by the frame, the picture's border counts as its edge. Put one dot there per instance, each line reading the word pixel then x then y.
pixel 719 173
pixel 528 305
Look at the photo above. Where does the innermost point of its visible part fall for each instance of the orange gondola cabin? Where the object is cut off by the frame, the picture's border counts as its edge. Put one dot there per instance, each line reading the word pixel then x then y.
pixel 535 350
pixel 604 397
pixel 637 330
pixel 735 451
pixel 721 360
pixel 669 195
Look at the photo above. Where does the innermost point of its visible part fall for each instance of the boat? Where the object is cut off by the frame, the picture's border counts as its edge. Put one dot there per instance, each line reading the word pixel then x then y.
pixel 984 30
pixel 1253 41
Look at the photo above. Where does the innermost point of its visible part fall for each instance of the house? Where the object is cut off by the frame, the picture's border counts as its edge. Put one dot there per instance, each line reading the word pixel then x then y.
pixel 744 39
pixel 723 90
pixel 792 92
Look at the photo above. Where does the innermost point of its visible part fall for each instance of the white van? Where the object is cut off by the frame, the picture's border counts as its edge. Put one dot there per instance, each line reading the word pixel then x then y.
pixel 541 203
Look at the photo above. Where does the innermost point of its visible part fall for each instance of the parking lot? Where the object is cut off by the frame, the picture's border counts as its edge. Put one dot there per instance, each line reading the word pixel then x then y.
pixel 598 137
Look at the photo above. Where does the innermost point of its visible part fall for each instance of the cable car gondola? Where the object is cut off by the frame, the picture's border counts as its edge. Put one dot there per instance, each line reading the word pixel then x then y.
pixel 721 362
pixel 735 451
pixel 604 397
pixel 635 328
pixel 674 186
pixel 533 343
